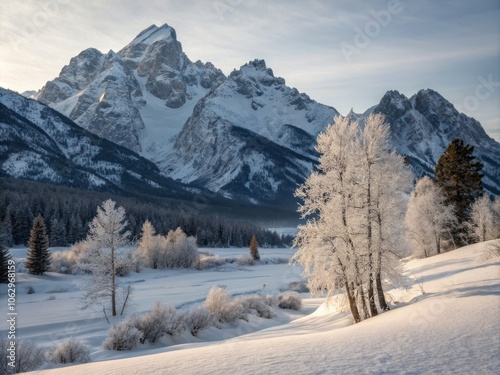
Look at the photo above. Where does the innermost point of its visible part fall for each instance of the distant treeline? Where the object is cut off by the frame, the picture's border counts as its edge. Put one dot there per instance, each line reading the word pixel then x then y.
pixel 68 211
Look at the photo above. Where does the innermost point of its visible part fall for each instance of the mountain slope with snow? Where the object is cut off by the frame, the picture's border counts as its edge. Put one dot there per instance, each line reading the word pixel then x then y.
pixel 247 136
pixel 452 328
pixel 424 125
pixel 138 97
pixel 38 143
pixel 250 137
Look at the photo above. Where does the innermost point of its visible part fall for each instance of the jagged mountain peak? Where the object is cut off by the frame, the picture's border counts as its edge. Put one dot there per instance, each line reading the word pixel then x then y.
pixel 423 126
pixel 257 70
pixel 154 33
pixel 393 105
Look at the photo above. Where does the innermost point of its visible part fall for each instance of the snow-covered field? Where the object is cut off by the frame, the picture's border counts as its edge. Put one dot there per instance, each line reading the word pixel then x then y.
pixel 446 322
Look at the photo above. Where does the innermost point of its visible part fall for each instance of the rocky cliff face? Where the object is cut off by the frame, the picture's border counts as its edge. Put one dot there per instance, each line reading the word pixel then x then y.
pixel 252 137
pixel 423 126
pixel 134 97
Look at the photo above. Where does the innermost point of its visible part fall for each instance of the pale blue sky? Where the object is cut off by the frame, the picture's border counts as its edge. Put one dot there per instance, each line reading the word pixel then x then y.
pixel 450 46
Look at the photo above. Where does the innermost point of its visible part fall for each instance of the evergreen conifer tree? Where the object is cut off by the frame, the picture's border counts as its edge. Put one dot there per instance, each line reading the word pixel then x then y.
pixel 38 258
pixel 4 263
pixel 254 248
pixel 458 174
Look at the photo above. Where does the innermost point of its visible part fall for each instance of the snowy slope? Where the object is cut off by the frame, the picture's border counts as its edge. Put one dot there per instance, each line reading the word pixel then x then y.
pixel 452 328
pixel 425 124
pixel 38 143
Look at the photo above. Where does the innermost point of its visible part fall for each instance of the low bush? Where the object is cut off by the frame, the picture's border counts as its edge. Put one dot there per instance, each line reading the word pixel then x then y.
pixel 30 290
pixel 206 261
pixel 297 286
pixel 220 304
pixel 291 301
pixel 197 319
pixel 256 305
pixel 123 335
pixel 28 357
pixel 158 322
pixel 70 350
pixel 245 260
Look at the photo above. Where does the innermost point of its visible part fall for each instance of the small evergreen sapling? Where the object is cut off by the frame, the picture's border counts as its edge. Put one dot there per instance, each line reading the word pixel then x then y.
pixel 4 263
pixel 254 248
pixel 38 259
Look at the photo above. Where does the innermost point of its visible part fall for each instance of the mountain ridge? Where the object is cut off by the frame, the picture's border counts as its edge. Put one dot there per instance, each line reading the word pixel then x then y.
pixel 199 126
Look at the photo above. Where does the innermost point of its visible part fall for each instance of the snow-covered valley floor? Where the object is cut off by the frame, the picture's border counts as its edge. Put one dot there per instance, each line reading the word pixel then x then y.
pixel 451 328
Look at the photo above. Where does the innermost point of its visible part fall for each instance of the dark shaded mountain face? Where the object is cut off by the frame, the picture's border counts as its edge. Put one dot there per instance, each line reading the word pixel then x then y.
pixel 247 136
pixel 38 143
pixel 424 125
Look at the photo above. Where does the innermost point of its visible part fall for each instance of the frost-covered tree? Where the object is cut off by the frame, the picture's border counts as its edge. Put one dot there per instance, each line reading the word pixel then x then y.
pixel 150 245
pixel 105 256
pixel 429 219
pixel 254 248
pixel 38 257
pixel 348 238
pixel 179 249
pixel 483 226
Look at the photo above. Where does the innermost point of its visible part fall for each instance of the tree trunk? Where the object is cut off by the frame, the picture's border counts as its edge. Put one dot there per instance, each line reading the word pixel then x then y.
pixel 380 293
pixel 113 286
pixel 350 295
pixel 438 245
pixel 362 298
pixel 371 296
pixel 352 303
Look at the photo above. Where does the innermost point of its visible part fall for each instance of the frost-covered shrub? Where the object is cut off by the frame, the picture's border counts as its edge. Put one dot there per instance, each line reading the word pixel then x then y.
pixel 271 300
pixel 256 305
pixel 159 321
pixel 297 286
pixel 175 250
pixel 197 319
pixel 28 356
pixel 71 350
pixel 290 301
pixel 206 261
pixel 66 261
pixel 30 290
pixel 123 335
pixel 219 303
pixel 245 260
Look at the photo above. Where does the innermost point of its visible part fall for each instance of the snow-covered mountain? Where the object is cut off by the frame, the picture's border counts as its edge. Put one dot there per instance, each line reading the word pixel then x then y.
pixel 247 136
pixel 138 97
pixel 251 136
pixel 38 143
pixel 424 125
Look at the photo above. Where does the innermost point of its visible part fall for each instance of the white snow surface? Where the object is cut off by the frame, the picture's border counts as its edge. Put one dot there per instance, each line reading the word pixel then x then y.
pixel 452 328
